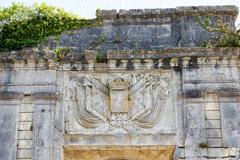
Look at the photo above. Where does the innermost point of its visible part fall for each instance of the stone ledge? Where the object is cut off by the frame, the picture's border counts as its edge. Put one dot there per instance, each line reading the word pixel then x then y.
pixel 15 95
pixel 121 140
pixel 178 11
pixel 48 56
pixel 11 95
pixel 26 54
pixel 173 53
pixel 202 93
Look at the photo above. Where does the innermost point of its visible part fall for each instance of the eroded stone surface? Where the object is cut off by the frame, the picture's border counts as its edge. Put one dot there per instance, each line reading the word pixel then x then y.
pixel 8 131
pixel 112 153
pixel 185 100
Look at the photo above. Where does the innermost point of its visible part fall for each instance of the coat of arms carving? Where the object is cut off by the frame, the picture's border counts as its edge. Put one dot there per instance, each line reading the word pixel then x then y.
pixel 120 102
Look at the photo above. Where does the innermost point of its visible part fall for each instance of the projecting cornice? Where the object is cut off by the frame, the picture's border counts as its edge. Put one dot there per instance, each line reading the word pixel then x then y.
pixel 169 12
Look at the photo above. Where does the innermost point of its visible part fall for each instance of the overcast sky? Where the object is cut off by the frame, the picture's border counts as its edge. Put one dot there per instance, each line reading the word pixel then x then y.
pixel 87 8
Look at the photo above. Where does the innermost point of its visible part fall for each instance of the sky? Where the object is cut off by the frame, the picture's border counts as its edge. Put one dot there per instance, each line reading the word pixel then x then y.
pixel 87 8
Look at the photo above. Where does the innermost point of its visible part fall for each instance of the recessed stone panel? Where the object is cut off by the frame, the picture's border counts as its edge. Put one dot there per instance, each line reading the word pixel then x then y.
pixel 43 132
pixel 230 124
pixel 8 131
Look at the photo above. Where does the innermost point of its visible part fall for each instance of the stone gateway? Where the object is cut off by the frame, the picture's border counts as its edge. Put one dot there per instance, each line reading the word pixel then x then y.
pixel 156 95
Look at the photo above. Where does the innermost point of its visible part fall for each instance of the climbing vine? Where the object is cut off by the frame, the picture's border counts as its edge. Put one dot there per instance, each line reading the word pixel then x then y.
pixel 26 26
pixel 228 37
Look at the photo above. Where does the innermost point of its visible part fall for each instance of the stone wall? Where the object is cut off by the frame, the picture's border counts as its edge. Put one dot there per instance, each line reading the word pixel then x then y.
pixel 199 104
pixel 148 29
pixel 178 103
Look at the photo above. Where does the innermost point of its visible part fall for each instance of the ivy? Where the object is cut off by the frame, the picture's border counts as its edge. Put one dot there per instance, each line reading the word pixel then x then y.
pixel 24 26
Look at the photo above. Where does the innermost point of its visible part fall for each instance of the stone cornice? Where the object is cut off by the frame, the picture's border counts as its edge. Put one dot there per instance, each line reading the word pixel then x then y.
pixel 130 60
pixel 27 54
pixel 122 54
pixel 173 53
pixel 178 11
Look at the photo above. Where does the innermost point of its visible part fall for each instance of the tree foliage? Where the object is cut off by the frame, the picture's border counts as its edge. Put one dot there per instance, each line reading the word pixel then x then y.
pixel 26 26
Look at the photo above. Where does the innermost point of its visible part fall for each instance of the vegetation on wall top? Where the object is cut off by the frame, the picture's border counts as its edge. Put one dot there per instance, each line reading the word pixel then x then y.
pixel 26 26
pixel 228 37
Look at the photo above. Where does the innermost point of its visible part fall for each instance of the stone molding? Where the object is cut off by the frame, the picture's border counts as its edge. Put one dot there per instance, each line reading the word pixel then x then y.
pixel 178 11
pixel 15 95
pixel 124 60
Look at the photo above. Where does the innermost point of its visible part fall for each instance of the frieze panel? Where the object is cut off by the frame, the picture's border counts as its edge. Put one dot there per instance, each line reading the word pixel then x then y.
pixel 100 103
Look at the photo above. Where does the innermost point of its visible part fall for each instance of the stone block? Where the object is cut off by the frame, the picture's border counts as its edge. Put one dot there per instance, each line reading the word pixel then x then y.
pixel 213 133
pixel 24 144
pixel 213 124
pixel 210 106
pixel 25 135
pixel 24 153
pixel 29 76
pixel 26 108
pixel 217 152
pixel 25 126
pixel 215 142
pixel 212 115
pixel 233 151
pixel 25 117
pixel 211 99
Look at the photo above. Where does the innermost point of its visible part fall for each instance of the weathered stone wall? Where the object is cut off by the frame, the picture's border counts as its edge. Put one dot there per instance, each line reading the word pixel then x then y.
pixel 149 29
pixel 180 103
pixel 199 117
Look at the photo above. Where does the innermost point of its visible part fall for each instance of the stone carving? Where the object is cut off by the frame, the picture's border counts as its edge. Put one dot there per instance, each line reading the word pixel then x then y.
pixel 132 102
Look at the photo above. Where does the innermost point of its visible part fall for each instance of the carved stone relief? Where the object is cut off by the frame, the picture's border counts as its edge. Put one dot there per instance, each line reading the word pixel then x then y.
pixel 119 102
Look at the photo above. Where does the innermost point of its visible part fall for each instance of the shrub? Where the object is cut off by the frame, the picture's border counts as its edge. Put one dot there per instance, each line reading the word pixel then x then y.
pixel 26 26
pixel 61 53
pixel 100 57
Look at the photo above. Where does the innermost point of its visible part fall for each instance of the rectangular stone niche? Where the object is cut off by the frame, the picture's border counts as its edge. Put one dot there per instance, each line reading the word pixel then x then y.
pixel 119 152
